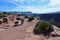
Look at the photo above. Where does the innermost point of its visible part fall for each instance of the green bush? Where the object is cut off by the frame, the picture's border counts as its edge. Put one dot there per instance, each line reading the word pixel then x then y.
pixel 26 16
pixel 4 12
pixel 30 19
pixel 3 15
pixel 43 27
pixel 37 30
pixel 17 18
pixel 19 15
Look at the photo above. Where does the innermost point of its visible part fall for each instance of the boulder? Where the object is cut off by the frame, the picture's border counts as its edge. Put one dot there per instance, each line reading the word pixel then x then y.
pixel 0 22
pixel 11 18
pixel 5 20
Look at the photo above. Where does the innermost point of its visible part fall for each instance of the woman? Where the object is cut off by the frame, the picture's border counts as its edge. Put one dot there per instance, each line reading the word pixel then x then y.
pixel 22 19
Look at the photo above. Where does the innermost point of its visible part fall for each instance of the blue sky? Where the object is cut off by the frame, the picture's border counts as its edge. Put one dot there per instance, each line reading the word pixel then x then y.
pixel 35 6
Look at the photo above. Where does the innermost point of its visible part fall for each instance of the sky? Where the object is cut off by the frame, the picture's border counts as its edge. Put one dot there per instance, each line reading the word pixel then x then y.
pixel 35 6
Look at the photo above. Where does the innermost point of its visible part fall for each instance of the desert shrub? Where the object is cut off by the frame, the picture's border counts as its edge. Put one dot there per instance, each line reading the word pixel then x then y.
pixel 26 16
pixel 43 27
pixel 36 30
pixel 4 12
pixel 19 15
pixel 17 18
pixel 3 15
pixel 30 19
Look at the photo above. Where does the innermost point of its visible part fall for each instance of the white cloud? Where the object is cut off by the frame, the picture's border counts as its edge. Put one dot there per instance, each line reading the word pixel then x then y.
pixel 54 2
pixel 54 5
pixel 36 9
pixel 13 1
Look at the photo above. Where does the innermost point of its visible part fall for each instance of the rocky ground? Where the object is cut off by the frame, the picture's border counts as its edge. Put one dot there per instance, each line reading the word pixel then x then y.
pixel 23 32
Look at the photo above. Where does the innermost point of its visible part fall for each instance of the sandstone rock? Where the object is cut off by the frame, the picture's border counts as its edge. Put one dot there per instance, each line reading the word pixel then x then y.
pixel 5 20
pixel 0 22
pixel 11 18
